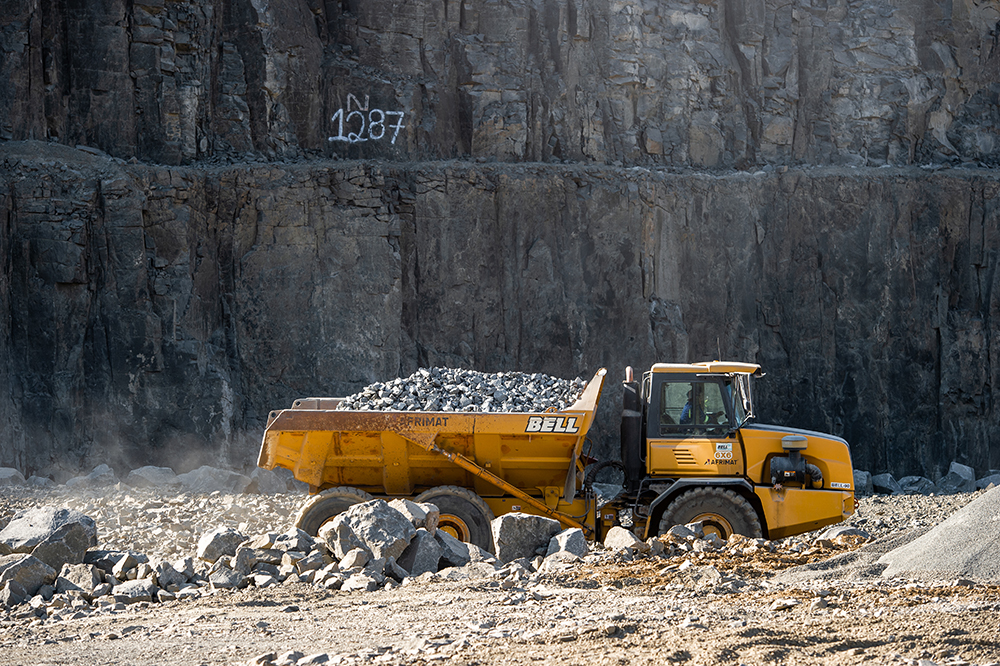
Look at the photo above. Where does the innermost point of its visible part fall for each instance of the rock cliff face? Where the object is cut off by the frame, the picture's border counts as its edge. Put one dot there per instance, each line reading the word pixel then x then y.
pixel 681 83
pixel 236 203
pixel 158 313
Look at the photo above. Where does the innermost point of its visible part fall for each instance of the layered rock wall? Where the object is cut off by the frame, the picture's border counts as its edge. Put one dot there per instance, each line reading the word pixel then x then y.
pixel 158 313
pixel 679 83
pixel 210 208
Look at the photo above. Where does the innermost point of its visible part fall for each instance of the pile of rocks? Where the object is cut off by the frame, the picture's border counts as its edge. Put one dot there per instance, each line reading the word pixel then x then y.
pixel 55 569
pixel 959 479
pixel 458 390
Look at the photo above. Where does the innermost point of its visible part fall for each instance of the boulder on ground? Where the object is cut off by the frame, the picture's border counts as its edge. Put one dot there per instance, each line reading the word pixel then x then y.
pixel 917 485
pixel 266 482
pixel 886 484
pixel 293 539
pixel 420 514
pixel 394 571
pixel 12 594
pixel 184 565
pixel 373 525
pixel 220 542
pixel 316 559
pixel 680 533
pixel 354 558
pixel 697 528
pixel 82 578
pixel 423 554
pixel 101 477
pixel 518 535
pixel 376 569
pixel 106 560
pixel 863 483
pixel 479 554
pixel 125 563
pixel 560 560
pixel 656 547
pixel 40 482
pixel 54 535
pixel 987 481
pixel 11 477
pixel 208 479
pixel 152 477
pixel 959 479
pixel 134 591
pixel 475 569
pixel 569 541
pixel 619 538
pixel 360 581
pixel 225 578
pixel 27 571
pixel 292 484
pixel 339 539
pixel 454 552
pixel 166 575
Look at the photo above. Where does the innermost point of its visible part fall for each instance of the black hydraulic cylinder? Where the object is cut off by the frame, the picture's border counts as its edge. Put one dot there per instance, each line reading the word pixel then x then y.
pixel 631 437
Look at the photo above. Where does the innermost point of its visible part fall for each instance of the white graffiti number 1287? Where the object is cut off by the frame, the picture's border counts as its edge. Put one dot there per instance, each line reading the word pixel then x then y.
pixel 362 123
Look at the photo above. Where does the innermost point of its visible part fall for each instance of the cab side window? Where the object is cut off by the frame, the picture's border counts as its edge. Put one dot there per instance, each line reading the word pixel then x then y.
pixel 691 407
pixel 675 403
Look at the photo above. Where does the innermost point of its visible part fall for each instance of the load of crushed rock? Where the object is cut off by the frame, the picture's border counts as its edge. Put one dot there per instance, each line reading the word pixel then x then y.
pixel 458 390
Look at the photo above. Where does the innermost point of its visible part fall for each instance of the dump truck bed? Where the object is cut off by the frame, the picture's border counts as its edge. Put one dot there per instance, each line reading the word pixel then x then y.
pixel 402 453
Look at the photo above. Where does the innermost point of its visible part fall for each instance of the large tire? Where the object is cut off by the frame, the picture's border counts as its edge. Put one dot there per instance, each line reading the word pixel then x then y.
pixel 326 505
pixel 464 514
pixel 722 511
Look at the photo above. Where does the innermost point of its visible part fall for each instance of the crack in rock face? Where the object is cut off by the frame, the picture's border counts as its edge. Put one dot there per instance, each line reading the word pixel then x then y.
pixel 458 390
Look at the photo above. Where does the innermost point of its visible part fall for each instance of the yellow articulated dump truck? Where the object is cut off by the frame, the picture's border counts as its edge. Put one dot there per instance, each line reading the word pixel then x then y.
pixel 689 452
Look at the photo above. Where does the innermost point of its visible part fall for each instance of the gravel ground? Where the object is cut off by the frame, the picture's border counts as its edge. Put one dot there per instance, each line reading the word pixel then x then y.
pixel 613 611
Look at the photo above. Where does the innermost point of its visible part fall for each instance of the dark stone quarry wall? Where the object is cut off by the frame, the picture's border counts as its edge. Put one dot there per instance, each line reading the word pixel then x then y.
pixel 212 207
pixel 678 83
pixel 158 313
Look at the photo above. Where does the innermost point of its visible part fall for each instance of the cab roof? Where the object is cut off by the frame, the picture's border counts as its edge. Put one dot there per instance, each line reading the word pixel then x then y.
pixel 713 367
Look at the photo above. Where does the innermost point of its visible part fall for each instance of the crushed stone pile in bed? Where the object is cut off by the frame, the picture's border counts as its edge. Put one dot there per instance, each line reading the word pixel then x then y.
pixel 458 390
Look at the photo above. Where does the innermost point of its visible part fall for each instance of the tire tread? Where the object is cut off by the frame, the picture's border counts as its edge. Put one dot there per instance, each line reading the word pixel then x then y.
pixel 315 503
pixel 742 509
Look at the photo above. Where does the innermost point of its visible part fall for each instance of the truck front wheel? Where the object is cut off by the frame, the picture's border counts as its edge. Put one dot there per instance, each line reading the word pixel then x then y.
pixel 722 512
pixel 326 505
pixel 464 514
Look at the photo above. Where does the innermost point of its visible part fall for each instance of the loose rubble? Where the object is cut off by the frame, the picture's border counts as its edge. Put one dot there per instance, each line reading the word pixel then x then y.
pixel 373 545
pixel 562 597
pixel 966 545
pixel 458 390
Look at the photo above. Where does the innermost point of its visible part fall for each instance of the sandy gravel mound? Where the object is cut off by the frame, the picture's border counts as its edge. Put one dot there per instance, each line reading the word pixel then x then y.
pixel 966 545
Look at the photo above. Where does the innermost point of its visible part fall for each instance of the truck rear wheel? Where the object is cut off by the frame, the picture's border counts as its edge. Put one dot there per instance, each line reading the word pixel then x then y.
pixel 326 505
pixel 464 514
pixel 722 511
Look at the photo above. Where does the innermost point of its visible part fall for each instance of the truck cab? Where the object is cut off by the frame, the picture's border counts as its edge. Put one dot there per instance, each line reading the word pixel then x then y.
pixel 692 453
